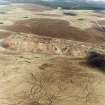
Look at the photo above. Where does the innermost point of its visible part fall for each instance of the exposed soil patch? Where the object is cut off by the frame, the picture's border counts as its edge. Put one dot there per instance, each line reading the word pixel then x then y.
pixel 37 44
pixel 54 28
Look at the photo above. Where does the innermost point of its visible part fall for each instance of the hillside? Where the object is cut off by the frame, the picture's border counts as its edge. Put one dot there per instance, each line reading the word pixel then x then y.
pixel 41 79
pixel 44 56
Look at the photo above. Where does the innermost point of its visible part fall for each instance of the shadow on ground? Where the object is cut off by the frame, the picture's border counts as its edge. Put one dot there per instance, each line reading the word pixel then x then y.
pixel 96 60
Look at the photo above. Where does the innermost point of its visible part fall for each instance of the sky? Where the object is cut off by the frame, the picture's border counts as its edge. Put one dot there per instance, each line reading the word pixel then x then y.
pixel 81 4
pixel 96 0
pixel 84 0
pixel 63 0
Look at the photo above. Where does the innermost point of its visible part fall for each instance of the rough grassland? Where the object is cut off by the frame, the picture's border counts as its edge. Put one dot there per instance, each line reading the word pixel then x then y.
pixel 41 79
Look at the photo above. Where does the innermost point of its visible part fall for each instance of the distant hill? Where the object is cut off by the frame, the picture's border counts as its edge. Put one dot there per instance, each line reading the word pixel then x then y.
pixel 68 4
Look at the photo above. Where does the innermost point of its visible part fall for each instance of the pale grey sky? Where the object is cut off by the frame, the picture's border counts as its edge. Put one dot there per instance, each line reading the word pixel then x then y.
pixel 70 0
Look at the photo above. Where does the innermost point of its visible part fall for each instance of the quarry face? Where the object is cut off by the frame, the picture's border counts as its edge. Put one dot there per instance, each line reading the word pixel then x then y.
pixel 43 56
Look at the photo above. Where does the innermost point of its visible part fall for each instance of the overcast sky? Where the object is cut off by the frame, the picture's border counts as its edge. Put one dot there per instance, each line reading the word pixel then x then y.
pixel 96 0
pixel 70 0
